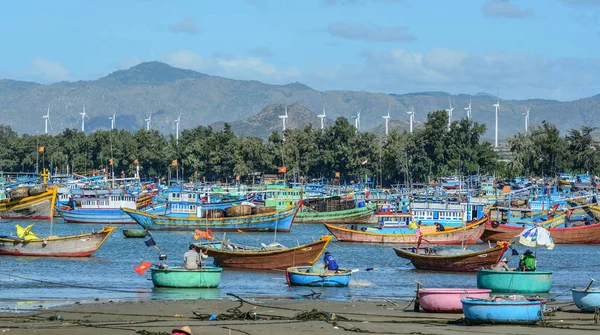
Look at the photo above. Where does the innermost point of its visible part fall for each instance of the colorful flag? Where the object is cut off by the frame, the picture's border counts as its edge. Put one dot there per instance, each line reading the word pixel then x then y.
pixel 41 149
pixel 142 267
pixel 111 161
pixel 337 174
pixel 282 169
pixel 174 162
pixel 136 162
pixel 365 162
pixel 207 235
pixel 150 242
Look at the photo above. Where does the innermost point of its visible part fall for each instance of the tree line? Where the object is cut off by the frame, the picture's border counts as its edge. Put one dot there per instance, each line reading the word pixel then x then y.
pixel 431 151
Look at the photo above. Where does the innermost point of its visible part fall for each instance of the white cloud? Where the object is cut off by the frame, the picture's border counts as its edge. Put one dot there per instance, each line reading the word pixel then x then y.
pixel 369 32
pixel 186 26
pixel 47 71
pixel 504 8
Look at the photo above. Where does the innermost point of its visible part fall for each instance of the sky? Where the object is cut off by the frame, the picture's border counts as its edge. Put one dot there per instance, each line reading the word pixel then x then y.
pixel 520 49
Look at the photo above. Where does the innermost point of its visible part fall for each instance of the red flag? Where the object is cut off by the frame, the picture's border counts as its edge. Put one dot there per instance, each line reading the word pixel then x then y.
pixel 282 169
pixel 142 267
pixel 207 235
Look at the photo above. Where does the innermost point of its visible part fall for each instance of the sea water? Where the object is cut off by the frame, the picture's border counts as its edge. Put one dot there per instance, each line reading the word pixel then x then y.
pixel 28 282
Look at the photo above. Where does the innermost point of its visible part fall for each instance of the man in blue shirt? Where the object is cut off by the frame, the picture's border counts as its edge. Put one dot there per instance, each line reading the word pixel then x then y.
pixel 330 263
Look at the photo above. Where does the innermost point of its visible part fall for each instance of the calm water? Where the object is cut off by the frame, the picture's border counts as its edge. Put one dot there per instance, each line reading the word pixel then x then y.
pixel 111 269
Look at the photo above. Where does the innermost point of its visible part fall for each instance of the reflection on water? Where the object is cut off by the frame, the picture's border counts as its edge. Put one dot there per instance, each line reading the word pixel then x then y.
pixel 109 274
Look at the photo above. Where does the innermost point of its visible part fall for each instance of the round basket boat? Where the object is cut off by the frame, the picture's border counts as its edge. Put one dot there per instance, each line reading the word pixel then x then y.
pixel 206 277
pixel 447 300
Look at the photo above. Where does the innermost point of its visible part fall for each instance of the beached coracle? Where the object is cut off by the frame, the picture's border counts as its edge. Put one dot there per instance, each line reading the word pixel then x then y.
pixel 178 277
pixel 303 276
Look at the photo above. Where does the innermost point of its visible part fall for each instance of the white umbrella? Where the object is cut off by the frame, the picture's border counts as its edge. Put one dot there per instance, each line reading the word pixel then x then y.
pixel 535 236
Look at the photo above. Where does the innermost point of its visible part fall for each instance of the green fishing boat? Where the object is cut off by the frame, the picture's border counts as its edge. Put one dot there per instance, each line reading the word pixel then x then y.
pixel 515 281
pixel 178 277
pixel 134 233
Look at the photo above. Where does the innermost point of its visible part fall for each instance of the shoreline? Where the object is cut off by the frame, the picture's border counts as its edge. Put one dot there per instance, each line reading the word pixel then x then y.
pixel 274 316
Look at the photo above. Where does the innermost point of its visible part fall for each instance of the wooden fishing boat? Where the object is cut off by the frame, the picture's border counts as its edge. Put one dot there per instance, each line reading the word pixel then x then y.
pixel 280 221
pixel 354 215
pixel 178 277
pixel 587 300
pixel 503 311
pixel 469 234
pixel 277 258
pixel 83 245
pixel 448 300
pixel 302 276
pixel 134 233
pixel 38 206
pixel 431 259
pixel 570 235
pixel 515 281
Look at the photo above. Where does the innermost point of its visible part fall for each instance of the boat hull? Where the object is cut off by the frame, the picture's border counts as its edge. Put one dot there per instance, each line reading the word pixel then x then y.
pixel 36 207
pixel 83 245
pixel 571 235
pixel 96 216
pixel 448 300
pixel 515 281
pixel 470 262
pixel 478 311
pixel 306 254
pixel 586 301
pixel 355 215
pixel 280 221
pixel 469 235
pixel 298 276
pixel 206 277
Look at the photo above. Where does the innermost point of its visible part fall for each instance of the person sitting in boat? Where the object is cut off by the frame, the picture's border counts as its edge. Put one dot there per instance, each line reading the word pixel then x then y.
pixel 527 262
pixel 502 266
pixel 193 258
pixel 439 227
pixel 330 262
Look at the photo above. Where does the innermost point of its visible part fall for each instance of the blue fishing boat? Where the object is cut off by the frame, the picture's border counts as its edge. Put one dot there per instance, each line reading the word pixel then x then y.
pixel 265 219
pixel 205 277
pixel 308 276
pixel 586 300
pixel 507 310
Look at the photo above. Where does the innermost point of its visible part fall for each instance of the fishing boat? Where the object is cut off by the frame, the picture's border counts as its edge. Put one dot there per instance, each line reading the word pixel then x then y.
pixel 448 300
pixel 503 310
pixel 273 257
pixel 515 281
pixel 469 234
pixel 178 277
pixel 303 276
pixel 587 300
pixel 29 203
pixel 460 260
pixel 99 207
pixel 83 245
pixel 270 220
pixel 134 233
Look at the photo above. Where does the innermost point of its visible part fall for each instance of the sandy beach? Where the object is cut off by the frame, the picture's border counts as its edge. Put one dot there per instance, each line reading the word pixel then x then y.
pixel 272 317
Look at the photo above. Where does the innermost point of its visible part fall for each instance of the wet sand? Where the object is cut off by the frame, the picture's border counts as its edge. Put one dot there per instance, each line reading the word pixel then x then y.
pixel 274 317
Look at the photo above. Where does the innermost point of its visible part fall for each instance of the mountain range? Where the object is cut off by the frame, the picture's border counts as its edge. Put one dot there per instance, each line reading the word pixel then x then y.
pixel 251 107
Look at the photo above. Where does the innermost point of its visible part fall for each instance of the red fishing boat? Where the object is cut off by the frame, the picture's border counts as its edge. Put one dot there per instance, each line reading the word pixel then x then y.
pixel 428 258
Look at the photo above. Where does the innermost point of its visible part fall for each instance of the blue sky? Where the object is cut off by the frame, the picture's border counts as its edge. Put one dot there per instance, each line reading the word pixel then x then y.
pixel 522 48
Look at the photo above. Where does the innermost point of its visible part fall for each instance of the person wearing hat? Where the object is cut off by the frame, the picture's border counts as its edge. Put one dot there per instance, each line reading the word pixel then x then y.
pixel 502 265
pixel 527 262
pixel 185 330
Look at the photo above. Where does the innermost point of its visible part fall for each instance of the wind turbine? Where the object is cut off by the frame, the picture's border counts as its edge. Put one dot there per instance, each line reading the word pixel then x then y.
pixel 497 105
pixel 322 117
pixel 148 122
pixel 468 109
pixel 112 121
pixel 387 121
pixel 412 117
pixel 83 116
pixel 449 113
pixel 46 120
pixel 284 118
pixel 526 114
pixel 357 120
pixel 177 121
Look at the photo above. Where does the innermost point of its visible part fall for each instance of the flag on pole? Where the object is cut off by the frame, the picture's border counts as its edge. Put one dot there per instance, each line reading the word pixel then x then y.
pixel 41 149
pixel 201 234
pixel 150 242
pixel 142 267
pixel 282 169
pixel 136 162
pixel 337 174
pixel 174 162
pixel 365 162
